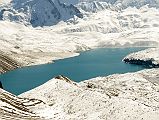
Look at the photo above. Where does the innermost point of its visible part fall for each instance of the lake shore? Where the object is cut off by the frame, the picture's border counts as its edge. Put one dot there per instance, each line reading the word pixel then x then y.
pixel 89 64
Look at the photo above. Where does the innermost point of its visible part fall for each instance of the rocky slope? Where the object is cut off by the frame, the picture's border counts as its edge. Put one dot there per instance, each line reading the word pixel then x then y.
pixel 116 97
pixel 13 107
pixel 6 63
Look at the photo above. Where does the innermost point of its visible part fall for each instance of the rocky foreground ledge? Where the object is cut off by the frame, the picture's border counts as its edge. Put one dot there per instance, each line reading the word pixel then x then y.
pixel 130 96
pixel 16 108
pixel 147 58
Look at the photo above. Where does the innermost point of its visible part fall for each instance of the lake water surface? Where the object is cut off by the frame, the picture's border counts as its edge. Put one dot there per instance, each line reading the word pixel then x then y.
pixel 98 62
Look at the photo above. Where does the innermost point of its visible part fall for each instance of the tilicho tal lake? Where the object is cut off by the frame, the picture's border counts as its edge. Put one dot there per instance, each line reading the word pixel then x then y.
pixel 89 64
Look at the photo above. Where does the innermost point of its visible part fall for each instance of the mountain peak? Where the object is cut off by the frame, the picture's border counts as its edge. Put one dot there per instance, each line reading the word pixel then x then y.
pixel 39 12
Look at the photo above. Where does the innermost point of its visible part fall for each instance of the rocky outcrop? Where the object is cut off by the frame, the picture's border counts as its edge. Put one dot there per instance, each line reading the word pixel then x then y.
pixel 16 108
pixel 64 78
pixel 7 63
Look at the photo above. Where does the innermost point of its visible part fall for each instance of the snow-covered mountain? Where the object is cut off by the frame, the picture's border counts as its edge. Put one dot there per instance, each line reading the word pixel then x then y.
pixel 50 12
pixel 38 12
pixel 138 3
pixel 97 5
pixel 106 28
pixel 90 24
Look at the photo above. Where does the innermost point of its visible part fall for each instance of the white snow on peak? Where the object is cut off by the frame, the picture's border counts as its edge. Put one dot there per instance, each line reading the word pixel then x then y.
pixel 38 12
pixel 51 12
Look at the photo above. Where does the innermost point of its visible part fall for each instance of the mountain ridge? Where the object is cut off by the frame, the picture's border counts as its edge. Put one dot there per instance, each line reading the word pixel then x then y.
pixel 38 12
pixel 50 12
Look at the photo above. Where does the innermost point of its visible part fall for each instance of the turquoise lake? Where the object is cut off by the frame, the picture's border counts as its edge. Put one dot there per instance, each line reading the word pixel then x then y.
pixel 93 63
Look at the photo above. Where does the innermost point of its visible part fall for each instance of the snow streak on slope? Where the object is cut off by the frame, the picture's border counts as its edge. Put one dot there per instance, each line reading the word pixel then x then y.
pixel 94 6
